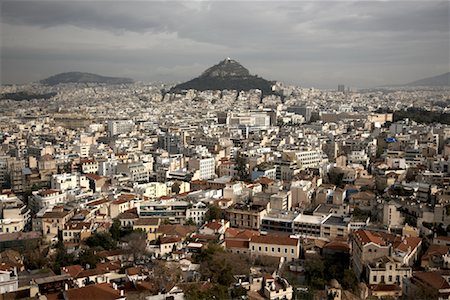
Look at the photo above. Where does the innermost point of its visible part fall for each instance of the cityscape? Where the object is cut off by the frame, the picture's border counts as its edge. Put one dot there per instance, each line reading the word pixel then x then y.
pixel 207 177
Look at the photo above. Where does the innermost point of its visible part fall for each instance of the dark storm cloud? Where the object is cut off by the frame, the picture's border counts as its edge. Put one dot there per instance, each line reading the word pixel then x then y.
pixel 280 39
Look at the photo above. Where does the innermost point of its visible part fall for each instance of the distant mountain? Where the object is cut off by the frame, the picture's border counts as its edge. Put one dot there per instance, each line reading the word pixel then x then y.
pixel 440 80
pixel 80 77
pixel 226 75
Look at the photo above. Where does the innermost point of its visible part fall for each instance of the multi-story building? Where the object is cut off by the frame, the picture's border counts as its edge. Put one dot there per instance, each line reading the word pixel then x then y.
pixel 46 198
pixel 136 171
pixel 205 167
pixel 246 216
pixel 152 189
pixel 67 181
pixel 172 210
pixel 197 213
pixel 9 281
pixel 367 246
pixel 117 127
pixel 386 270
pixel 14 215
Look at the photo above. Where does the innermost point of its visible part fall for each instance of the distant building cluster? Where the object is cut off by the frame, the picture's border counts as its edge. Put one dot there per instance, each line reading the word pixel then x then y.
pixel 297 178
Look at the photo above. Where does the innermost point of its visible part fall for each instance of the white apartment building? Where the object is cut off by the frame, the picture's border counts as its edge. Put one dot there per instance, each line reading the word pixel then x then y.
pixel 197 213
pixel 136 171
pixel 358 157
pixel 107 167
pixel 9 281
pixel 14 215
pixel 310 158
pixel 205 166
pixel 301 192
pixel 116 127
pixel 46 198
pixel 152 189
pixel 67 181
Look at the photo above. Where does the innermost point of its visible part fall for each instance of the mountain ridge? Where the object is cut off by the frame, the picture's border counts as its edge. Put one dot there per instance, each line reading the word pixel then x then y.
pixel 84 77
pixel 438 80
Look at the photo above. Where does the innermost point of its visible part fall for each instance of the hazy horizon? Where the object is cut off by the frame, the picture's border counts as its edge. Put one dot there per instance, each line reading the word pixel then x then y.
pixel 320 44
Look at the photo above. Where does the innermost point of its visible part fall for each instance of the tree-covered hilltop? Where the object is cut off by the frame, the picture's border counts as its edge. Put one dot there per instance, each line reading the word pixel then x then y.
pixel 227 75
pixel 81 77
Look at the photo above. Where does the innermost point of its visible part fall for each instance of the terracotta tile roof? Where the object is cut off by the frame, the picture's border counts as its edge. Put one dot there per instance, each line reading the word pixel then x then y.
pixel 170 239
pixel 366 237
pixel 98 202
pixel 178 230
pixel 338 246
pixel 240 233
pixel 214 225
pixel 274 240
pixel 442 238
pixel 103 291
pixel 55 214
pixel 109 253
pixel 147 222
pixel 432 279
pixel 73 270
pixel 435 250
pixel 93 176
pixel 408 244
pixel 48 192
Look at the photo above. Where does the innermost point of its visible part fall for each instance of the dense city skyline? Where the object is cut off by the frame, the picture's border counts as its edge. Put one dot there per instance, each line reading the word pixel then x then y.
pixel 321 44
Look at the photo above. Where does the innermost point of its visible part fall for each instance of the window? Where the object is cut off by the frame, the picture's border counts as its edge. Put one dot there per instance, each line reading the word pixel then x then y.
pixel 375 278
pixel 390 278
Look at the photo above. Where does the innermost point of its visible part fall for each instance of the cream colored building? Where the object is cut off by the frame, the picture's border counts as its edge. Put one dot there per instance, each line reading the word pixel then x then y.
pixel 386 270
pixel 276 246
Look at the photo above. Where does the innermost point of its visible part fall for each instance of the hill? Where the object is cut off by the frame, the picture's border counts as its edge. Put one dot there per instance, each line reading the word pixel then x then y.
pixel 80 77
pixel 440 80
pixel 226 75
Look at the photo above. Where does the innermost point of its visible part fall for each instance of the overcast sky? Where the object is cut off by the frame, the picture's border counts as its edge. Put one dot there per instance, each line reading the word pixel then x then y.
pixel 307 43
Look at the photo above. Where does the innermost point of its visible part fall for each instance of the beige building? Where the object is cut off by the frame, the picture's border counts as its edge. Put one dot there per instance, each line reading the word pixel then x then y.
pixel 386 270
pixel 246 216
pixel 149 226
pixel 277 246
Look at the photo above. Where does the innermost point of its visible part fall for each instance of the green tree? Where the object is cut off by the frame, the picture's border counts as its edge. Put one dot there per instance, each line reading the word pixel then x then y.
pixel 88 257
pixel 214 213
pixel 241 168
pixel 349 280
pixel 62 258
pixel 115 230
pixel 102 240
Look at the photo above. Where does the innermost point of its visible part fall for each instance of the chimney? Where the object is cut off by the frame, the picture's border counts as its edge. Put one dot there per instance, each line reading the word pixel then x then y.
pixel 114 285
